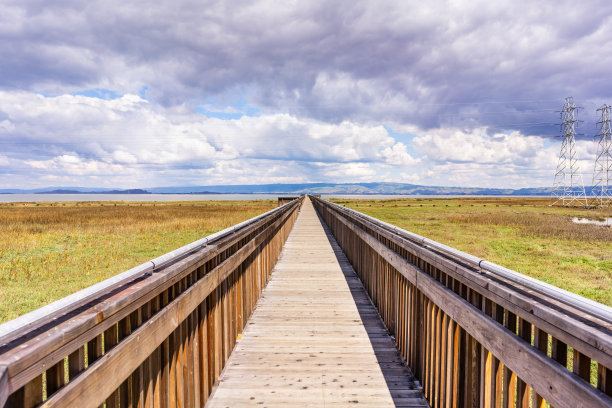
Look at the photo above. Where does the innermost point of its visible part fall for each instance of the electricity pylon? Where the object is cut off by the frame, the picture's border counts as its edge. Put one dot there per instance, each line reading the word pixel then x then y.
pixel 602 185
pixel 568 187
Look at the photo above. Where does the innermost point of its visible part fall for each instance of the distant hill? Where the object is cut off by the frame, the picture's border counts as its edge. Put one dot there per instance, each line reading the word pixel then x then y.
pixel 76 191
pixel 312 188
pixel 130 191
pixel 349 188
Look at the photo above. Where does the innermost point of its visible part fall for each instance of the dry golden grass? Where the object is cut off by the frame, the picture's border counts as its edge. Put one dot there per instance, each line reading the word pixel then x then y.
pixel 543 225
pixel 50 250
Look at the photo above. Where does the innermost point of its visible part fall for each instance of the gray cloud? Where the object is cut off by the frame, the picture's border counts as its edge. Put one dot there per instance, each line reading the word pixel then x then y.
pixel 325 77
pixel 433 64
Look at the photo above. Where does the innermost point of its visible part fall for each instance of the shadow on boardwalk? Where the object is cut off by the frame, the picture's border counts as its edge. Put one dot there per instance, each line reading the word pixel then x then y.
pixel 404 388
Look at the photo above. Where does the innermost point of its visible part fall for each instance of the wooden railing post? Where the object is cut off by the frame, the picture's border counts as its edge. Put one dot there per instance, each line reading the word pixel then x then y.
pixel 476 339
pixel 160 339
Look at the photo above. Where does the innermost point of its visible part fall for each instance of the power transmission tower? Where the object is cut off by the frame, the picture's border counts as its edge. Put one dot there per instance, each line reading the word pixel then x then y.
pixel 602 185
pixel 568 187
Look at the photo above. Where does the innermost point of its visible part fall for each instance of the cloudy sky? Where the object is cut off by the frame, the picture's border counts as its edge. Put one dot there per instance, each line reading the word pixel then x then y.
pixel 139 94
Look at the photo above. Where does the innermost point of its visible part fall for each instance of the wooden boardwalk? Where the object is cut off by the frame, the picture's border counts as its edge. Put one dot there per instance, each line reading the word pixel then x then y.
pixel 161 334
pixel 315 339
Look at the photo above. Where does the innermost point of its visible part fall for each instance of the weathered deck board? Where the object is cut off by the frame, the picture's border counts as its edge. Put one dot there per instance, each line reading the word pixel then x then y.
pixel 315 339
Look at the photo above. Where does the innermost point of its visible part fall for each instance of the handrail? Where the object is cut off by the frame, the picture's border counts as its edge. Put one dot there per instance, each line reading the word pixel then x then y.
pixel 473 332
pixel 173 319
pixel 575 327
pixel 15 328
pixel 579 302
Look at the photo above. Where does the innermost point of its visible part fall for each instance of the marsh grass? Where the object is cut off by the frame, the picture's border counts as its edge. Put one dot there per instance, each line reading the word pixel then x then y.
pixel 543 225
pixel 523 234
pixel 50 250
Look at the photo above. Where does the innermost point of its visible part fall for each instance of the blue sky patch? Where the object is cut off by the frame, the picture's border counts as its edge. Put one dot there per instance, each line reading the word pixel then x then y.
pixel 99 93
pixel 214 108
pixel 405 138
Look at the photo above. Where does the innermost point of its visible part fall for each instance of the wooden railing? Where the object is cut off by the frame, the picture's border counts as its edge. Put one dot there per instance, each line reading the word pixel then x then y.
pixel 158 335
pixel 476 334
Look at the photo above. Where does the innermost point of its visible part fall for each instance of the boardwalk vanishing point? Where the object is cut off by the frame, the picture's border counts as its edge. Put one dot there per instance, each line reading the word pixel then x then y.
pixel 315 339
pixel 311 305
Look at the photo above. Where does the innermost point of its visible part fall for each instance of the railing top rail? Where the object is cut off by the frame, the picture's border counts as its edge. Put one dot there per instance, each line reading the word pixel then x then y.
pixel 15 328
pixel 581 303
pixel 553 341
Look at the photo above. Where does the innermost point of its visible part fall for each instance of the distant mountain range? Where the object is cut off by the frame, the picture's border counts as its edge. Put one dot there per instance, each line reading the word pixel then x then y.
pixel 310 188
pixel 67 191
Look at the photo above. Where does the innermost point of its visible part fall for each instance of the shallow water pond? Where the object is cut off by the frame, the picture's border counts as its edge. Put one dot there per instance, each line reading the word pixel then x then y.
pixel 607 222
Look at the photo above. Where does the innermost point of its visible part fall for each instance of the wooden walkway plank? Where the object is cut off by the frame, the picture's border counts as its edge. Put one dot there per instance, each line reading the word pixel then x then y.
pixel 315 339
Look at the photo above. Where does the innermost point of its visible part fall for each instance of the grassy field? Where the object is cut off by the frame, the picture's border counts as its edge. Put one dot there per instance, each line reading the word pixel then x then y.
pixel 50 250
pixel 523 234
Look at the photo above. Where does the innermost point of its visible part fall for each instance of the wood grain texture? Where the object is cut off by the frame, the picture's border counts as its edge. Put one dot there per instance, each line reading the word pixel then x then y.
pixel 445 287
pixel 25 359
pixel 584 337
pixel 159 358
pixel 315 339
pixel 4 394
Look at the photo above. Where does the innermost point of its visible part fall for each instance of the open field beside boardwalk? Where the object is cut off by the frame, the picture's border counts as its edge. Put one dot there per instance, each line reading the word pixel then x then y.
pixel 523 234
pixel 50 250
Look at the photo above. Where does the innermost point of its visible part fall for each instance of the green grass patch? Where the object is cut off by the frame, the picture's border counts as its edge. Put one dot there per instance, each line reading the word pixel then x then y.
pixel 523 234
pixel 50 250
